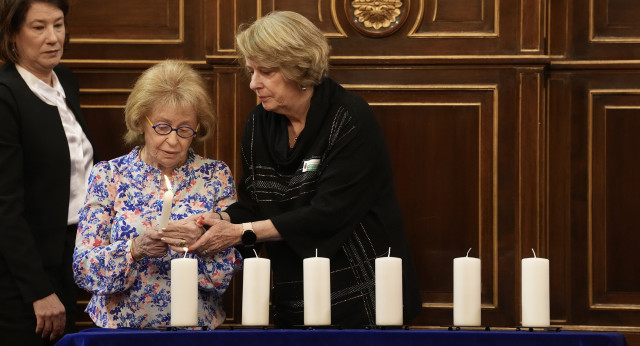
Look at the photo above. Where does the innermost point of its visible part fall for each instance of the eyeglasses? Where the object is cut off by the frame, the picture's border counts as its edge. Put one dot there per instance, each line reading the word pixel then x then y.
pixel 165 129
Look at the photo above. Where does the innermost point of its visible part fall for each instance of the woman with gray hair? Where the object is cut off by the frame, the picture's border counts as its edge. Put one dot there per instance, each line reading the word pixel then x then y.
pixel 122 255
pixel 317 177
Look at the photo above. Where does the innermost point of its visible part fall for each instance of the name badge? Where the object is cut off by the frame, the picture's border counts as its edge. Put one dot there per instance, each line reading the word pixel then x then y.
pixel 311 165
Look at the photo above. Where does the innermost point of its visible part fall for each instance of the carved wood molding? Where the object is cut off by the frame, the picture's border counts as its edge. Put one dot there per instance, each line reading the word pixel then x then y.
pixel 377 18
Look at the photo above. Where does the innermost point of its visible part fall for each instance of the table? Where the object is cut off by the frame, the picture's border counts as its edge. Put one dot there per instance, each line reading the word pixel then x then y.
pixel 335 337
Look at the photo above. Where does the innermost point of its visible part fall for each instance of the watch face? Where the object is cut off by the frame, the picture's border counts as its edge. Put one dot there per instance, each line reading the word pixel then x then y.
pixel 248 237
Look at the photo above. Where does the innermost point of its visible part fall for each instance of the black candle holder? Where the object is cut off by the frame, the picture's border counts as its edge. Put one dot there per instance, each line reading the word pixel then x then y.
pixel 394 327
pixel 312 327
pixel 176 328
pixel 454 327
pixel 545 329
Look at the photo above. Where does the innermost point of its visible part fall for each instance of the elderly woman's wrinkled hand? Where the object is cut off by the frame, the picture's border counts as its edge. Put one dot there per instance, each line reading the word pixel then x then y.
pixel 182 234
pixel 149 244
pixel 220 236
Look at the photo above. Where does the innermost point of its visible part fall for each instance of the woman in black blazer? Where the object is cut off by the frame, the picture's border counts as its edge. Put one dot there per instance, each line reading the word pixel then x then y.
pixel 45 159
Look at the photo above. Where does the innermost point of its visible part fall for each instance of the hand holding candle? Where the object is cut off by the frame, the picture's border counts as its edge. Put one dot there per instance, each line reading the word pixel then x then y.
pixel 388 291
pixel 467 289
pixel 256 278
pixel 317 291
pixel 167 202
pixel 184 291
pixel 535 292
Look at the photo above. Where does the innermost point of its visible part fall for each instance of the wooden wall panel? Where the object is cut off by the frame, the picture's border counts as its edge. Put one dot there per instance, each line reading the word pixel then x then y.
pixel 614 169
pixel 597 125
pixel 123 32
pixel 136 22
pixel 606 29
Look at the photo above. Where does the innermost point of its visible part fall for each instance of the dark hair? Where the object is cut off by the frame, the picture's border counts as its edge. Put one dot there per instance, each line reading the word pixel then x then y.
pixel 13 14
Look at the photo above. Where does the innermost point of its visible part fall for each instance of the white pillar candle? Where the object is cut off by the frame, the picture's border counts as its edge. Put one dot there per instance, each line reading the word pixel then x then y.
pixel 256 278
pixel 389 291
pixel 184 292
pixel 317 291
pixel 535 292
pixel 467 291
pixel 167 202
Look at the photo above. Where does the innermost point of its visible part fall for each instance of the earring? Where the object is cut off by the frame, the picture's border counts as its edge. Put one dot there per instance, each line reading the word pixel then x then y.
pixel 303 88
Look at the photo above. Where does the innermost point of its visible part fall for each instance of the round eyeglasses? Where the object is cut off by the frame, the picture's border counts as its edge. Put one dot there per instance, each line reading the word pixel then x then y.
pixel 165 129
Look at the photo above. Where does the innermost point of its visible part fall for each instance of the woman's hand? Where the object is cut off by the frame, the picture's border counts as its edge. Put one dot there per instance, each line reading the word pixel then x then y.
pixel 221 236
pixel 184 233
pixel 149 244
pixel 50 316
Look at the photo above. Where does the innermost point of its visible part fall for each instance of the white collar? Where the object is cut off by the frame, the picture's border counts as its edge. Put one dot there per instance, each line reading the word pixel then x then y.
pixel 41 89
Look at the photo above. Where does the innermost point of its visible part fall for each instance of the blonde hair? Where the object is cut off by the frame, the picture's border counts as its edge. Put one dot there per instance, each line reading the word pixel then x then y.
pixel 288 41
pixel 171 83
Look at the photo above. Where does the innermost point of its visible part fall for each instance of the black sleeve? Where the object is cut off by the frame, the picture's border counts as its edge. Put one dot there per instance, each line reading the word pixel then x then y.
pixel 19 251
pixel 246 209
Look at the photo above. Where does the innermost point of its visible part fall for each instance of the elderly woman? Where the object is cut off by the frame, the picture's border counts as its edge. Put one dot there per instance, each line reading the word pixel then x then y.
pixel 317 175
pixel 121 254
pixel 47 157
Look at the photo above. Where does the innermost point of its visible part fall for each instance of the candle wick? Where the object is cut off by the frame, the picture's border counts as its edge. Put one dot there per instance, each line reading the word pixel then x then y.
pixel 389 255
pixel 534 253
pixel 468 252
pixel 254 251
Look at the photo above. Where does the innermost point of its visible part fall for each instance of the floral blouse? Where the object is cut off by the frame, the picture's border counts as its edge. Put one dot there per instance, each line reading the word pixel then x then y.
pixel 123 199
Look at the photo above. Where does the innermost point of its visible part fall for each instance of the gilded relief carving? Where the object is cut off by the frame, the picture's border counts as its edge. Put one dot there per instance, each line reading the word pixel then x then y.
pixel 378 17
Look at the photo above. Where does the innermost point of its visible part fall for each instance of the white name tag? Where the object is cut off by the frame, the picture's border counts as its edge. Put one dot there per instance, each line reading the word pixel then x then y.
pixel 311 165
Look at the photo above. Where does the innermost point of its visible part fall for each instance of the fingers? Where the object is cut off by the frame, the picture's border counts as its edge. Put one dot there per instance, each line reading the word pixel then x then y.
pixel 50 317
pixel 209 219
pixel 175 242
pixel 40 321
pixel 58 327
pixel 179 249
pixel 190 231
pixel 195 246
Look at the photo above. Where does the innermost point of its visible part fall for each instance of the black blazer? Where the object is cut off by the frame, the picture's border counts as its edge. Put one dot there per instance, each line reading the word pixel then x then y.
pixel 34 185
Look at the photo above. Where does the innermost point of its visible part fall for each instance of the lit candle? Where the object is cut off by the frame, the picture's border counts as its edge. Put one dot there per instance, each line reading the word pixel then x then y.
pixel 317 291
pixel 535 292
pixel 184 291
pixel 256 278
pixel 467 290
pixel 389 291
pixel 167 201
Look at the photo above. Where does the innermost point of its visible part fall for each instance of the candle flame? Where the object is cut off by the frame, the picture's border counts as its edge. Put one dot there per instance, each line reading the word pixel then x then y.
pixel 389 253
pixel 534 253
pixel 168 182
pixel 316 252
pixel 468 252
pixel 186 250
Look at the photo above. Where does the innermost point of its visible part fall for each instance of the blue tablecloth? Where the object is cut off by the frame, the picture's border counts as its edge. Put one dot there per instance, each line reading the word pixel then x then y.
pixel 333 337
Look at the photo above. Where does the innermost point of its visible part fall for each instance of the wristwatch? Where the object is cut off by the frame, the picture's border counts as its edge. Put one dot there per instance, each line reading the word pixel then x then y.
pixel 248 235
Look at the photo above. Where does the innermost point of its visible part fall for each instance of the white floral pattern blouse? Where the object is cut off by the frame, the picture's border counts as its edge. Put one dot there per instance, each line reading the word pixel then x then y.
pixel 124 198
